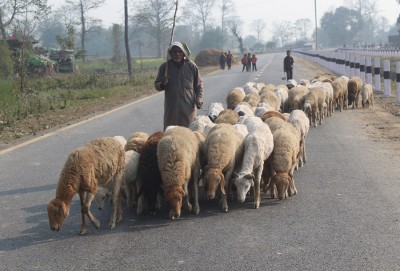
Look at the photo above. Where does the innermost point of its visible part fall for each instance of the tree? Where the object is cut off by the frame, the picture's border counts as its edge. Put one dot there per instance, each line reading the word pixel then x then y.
pixel 342 26
pixel 81 8
pixel 234 25
pixel 116 37
pixel 155 15
pixel 126 36
pixel 283 32
pixel 303 26
pixel 6 61
pixel 227 10
pixel 258 26
pixel 199 11
pixel 14 10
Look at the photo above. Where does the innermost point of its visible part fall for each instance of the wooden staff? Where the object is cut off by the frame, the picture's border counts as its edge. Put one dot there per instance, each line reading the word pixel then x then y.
pixel 171 38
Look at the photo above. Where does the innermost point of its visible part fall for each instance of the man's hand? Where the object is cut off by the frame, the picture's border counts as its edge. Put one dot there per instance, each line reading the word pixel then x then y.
pixel 164 83
pixel 199 102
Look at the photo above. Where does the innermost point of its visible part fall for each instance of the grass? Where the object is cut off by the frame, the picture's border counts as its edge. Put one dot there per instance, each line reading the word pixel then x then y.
pixel 95 80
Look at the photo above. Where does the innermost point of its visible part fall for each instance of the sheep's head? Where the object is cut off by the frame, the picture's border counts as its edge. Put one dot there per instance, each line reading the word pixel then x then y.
pixel 282 181
pixel 213 178
pixel 57 211
pixel 307 109
pixel 243 185
pixel 102 196
pixel 174 195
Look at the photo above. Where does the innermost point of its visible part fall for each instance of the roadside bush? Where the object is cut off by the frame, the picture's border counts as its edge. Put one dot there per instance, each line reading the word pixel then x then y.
pixel 6 61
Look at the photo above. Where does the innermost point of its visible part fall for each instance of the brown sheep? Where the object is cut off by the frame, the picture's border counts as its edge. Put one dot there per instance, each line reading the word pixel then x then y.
pixel 354 89
pixel 269 114
pixel 339 86
pixel 227 116
pixel 252 98
pixel 99 162
pixel 296 98
pixel 180 160
pixel 149 175
pixel 224 149
pixel 234 97
pixel 136 141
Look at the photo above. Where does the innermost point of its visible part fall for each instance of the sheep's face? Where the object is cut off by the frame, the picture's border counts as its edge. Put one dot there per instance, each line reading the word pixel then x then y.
pixel 174 197
pixel 281 181
pixel 102 196
pixel 213 179
pixel 243 185
pixel 57 211
pixel 307 109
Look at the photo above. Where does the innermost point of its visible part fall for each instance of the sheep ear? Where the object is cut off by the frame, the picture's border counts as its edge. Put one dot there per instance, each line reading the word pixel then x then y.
pixel 64 210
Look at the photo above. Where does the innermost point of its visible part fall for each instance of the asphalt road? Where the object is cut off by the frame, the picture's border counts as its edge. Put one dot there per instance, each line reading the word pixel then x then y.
pixel 345 216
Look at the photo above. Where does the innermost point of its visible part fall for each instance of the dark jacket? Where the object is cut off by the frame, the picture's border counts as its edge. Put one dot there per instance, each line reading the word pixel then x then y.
pixel 288 63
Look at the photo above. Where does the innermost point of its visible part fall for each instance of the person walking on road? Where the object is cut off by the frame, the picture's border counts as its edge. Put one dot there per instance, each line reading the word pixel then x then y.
pixel 288 63
pixel 179 77
pixel 229 58
pixel 244 62
pixel 222 60
pixel 254 62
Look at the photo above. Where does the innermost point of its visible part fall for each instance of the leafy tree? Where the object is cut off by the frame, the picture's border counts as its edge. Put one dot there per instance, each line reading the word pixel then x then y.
pixel 283 32
pixel 211 39
pixel 342 26
pixel 6 61
pixel 81 9
pixel 303 26
pixel 12 11
pixel 155 15
pixel 227 11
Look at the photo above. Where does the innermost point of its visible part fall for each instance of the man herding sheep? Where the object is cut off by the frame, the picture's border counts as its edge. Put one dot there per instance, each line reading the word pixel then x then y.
pixel 180 78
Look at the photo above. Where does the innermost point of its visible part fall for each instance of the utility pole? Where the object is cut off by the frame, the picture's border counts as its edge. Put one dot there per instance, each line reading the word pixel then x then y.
pixel 316 26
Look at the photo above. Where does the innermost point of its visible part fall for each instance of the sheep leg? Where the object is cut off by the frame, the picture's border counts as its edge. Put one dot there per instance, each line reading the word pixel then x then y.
pixel 84 226
pixel 116 200
pixel 257 194
pixel 186 197
pixel 196 174
pixel 86 210
pixel 140 204
pixel 292 188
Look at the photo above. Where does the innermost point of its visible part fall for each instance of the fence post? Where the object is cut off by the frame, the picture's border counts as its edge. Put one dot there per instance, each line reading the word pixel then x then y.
pixel 357 65
pixel 347 64
pixel 352 66
pixel 362 68
pixel 377 72
pixel 386 78
pixel 369 70
pixel 398 81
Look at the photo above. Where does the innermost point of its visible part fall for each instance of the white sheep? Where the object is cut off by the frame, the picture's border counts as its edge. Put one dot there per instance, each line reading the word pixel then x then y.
pixel 252 98
pixel 179 161
pixel 339 86
pixel 282 93
pixel 244 109
pixel 98 163
pixel 224 151
pixel 300 121
pixel 199 123
pixel 214 109
pixel 258 145
pixel 269 97
pixel 121 140
pixel 367 96
pixel 311 108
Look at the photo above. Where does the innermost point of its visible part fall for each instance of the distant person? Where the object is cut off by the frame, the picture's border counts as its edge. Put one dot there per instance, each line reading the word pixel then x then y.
pixel 222 60
pixel 229 58
pixel 288 63
pixel 244 62
pixel 248 68
pixel 179 77
pixel 254 62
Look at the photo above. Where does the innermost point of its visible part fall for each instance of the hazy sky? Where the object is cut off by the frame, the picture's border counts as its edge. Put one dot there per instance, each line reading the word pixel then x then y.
pixel 249 10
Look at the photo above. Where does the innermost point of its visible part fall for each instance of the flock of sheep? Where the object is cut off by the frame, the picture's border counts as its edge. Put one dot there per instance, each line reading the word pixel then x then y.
pixel 256 142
